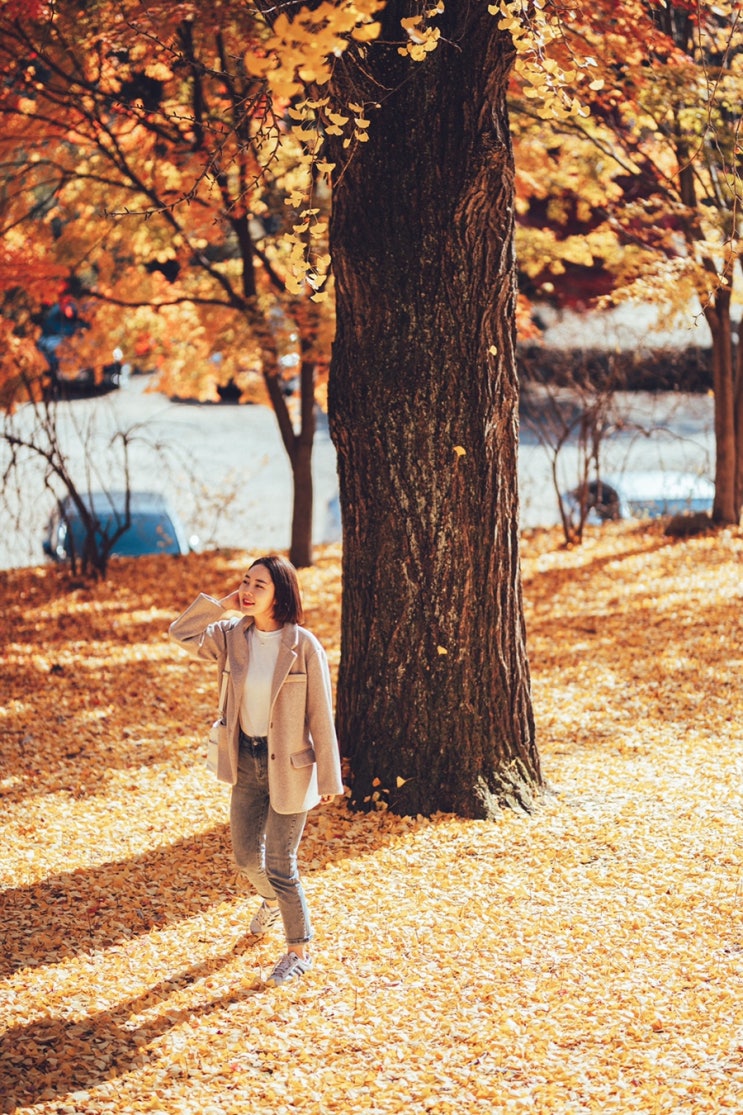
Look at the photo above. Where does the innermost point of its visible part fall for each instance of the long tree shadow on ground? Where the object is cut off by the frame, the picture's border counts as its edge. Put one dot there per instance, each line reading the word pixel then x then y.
pixel 54 1056
pixel 92 908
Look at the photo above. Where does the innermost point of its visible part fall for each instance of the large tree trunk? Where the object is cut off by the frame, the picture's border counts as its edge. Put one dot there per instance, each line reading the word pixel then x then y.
pixel 434 707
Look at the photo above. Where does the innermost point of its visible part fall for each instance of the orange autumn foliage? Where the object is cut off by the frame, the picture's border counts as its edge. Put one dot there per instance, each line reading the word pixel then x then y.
pixel 586 957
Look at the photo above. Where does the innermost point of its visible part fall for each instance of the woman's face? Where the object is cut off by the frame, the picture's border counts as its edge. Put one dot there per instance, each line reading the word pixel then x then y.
pixel 257 595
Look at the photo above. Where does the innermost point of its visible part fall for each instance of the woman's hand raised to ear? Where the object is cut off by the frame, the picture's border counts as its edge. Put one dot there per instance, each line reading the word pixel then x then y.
pixel 232 601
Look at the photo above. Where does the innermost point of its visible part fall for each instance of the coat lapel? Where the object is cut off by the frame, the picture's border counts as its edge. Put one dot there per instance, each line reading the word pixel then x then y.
pixel 286 659
pixel 239 654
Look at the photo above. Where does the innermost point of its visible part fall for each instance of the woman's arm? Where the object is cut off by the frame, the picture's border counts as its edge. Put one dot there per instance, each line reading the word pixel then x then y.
pixel 198 629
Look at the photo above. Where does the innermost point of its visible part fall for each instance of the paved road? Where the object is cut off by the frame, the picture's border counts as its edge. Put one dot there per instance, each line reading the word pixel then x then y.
pixel 230 476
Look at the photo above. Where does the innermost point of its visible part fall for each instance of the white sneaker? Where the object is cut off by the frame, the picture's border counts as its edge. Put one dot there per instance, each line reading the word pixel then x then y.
pixel 289 966
pixel 265 917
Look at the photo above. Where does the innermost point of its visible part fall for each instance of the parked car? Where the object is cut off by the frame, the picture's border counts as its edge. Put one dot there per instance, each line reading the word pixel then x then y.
pixel 155 527
pixel 646 494
pixel 61 323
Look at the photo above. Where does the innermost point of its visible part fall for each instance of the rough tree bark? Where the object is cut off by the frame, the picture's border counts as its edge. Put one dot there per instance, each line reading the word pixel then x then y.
pixel 434 706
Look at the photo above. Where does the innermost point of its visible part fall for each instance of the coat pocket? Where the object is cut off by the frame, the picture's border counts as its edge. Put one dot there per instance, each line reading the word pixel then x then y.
pixel 290 708
pixel 303 758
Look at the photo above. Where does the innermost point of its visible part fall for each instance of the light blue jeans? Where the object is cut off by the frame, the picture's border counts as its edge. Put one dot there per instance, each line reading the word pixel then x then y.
pixel 265 843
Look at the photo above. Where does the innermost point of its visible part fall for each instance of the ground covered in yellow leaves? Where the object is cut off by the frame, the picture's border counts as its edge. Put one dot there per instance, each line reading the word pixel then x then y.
pixel 585 958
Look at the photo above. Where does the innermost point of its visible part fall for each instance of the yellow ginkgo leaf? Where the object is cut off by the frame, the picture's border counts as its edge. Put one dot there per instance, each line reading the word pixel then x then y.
pixel 366 32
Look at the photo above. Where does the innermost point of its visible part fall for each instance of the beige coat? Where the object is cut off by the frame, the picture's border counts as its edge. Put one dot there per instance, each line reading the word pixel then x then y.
pixel 303 758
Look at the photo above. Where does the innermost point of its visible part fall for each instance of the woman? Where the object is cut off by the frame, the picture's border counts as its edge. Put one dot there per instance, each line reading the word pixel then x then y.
pixel 281 755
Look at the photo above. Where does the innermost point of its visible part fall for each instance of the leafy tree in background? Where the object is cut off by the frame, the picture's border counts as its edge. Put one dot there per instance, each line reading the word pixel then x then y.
pixel 641 199
pixel 140 154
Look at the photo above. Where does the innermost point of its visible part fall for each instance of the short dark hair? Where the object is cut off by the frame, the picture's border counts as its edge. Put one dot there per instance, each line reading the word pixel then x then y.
pixel 287 606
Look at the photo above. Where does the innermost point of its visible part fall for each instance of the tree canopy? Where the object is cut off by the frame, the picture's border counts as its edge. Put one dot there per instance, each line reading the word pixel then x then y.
pixel 639 197
pixel 142 156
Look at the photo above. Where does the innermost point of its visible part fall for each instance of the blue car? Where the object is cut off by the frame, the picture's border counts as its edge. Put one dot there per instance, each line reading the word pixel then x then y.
pixel 155 526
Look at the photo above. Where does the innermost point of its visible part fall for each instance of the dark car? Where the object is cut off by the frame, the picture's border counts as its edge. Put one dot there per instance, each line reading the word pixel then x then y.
pixel 155 526
pixel 643 494
pixel 61 323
